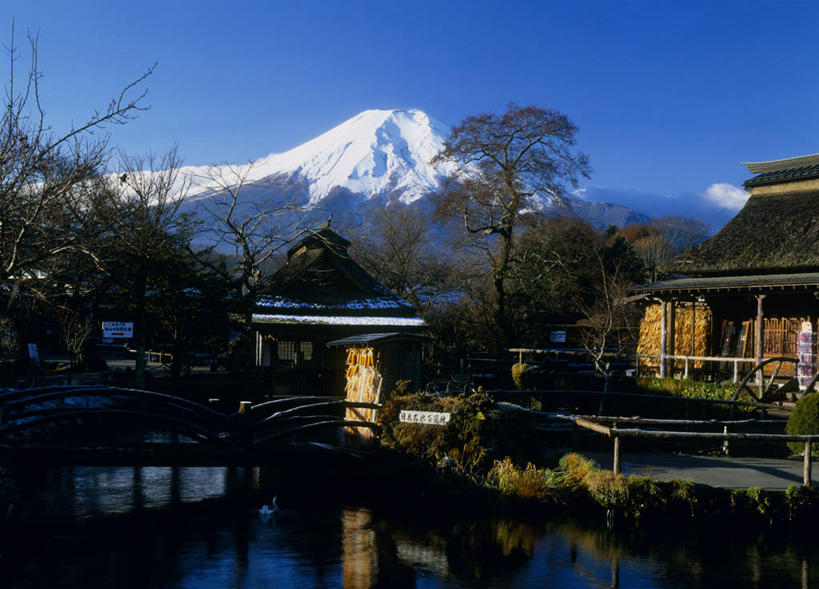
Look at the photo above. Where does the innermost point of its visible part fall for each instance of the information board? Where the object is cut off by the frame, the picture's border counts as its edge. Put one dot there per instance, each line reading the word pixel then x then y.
pixel 425 417
pixel 118 329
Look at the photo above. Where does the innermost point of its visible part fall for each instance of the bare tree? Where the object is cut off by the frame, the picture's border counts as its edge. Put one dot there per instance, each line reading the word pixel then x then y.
pixel 253 232
pixel 9 342
pixel 397 249
pixel 76 330
pixel 145 222
pixel 42 173
pixel 609 322
pixel 504 162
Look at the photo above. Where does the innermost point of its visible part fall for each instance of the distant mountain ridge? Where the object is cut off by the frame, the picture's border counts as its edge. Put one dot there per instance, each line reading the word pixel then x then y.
pixel 373 160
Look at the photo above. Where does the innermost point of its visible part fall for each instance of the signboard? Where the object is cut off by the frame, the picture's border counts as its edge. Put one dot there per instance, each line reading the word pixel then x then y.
pixel 557 337
pixel 33 355
pixel 805 355
pixel 118 329
pixel 425 417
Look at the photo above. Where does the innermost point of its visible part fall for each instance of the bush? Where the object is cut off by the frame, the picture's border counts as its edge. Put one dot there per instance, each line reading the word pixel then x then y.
pixel 525 376
pixel 803 421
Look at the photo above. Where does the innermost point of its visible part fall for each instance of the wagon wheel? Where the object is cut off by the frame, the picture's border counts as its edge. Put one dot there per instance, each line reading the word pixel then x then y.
pixel 763 392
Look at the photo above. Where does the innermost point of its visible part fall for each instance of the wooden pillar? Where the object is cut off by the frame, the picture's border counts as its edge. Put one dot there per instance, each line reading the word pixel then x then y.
pixel 726 448
pixel 616 462
pixel 760 316
pixel 663 335
pixel 806 474
pixel 693 328
pixel 672 334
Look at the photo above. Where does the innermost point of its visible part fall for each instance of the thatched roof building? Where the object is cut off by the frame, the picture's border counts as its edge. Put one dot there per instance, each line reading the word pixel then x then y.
pixel 321 294
pixel 768 252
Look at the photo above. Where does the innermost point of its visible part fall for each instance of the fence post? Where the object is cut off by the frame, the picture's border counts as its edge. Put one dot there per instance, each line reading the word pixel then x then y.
pixel 685 375
pixel 736 370
pixel 725 447
pixel 806 474
pixel 616 465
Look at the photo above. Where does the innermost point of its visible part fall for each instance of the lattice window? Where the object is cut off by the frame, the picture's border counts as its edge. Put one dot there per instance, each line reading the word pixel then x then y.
pixel 287 351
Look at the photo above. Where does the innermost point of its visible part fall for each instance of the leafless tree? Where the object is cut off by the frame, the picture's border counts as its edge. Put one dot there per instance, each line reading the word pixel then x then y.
pixel 503 163
pixel 144 220
pixel 43 174
pixel 396 247
pixel 76 330
pixel 254 232
pixel 9 342
pixel 609 322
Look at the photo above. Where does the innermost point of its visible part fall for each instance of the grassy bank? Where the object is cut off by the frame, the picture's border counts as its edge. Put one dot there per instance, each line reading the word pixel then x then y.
pixel 500 455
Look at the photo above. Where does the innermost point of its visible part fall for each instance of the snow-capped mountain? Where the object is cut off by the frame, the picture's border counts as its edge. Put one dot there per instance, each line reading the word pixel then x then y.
pixel 376 158
pixel 375 154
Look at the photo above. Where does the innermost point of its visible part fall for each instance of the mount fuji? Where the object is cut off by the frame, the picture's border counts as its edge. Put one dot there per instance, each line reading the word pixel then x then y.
pixel 376 159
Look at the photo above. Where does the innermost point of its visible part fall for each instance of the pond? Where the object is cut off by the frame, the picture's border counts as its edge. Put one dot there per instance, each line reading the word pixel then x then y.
pixel 201 527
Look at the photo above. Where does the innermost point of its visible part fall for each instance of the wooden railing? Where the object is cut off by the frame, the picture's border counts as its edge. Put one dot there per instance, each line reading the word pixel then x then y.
pixel 598 425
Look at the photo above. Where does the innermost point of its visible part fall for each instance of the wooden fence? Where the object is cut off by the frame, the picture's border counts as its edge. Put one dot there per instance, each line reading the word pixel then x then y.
pixel 598 425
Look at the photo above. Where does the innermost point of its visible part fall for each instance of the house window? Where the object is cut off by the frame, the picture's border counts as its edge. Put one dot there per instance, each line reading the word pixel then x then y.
pixel 306 349
pixel 287 351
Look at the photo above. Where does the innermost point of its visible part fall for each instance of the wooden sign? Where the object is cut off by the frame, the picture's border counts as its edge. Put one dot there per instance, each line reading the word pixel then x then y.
pixel 424 417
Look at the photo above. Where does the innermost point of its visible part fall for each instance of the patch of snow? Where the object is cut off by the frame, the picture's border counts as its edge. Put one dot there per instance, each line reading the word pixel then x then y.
pixel 340 320
pixel 390 302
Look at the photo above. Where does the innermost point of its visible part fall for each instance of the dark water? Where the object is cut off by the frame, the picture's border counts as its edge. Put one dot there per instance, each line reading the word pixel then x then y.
pixel 200 527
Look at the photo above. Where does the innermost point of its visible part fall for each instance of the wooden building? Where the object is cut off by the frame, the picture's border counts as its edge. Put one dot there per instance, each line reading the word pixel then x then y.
pixel 321 294
pixel 757 279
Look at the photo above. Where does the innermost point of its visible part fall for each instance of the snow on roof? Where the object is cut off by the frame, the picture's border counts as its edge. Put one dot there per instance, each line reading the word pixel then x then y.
pixel 386 302
pixel 339 320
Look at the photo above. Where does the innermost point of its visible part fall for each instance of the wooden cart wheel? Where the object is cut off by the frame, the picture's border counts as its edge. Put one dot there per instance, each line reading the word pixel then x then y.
pixel 764 391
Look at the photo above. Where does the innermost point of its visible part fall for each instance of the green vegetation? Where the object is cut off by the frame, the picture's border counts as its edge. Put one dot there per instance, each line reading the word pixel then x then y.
pixel 804 421
pixel 487 447
pixel 691 389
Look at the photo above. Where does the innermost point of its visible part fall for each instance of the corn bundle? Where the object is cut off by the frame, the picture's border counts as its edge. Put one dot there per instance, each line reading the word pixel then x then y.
pixel 684 332
pixel 362 385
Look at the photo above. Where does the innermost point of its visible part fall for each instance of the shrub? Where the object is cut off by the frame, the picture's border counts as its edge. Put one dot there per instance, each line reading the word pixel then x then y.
pixel 525 376
pixel 803 421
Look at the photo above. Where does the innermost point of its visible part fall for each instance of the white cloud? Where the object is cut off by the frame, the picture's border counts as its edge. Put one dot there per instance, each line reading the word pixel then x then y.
pixel 726 195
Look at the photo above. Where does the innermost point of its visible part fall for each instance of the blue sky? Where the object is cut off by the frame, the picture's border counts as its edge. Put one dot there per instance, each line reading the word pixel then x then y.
pixel 669 96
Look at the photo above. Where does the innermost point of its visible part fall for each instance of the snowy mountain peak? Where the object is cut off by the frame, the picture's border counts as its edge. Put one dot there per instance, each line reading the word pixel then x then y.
pixel 376 153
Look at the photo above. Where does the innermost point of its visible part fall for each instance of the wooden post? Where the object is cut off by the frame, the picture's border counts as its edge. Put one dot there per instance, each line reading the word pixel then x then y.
pixel 685 372
pixel 736 371
pixel 672 335
pixel 760 378
pixel 616 465
pixel 693 328
pixel 725 444
pixel 806 473
pixel 663 336
pixel 244 406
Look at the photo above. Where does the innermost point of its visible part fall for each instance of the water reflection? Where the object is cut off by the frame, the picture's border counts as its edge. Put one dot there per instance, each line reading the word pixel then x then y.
pixel 83 492
pixel 225 543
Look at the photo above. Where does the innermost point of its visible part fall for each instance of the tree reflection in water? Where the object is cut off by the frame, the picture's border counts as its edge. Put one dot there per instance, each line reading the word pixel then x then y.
pixel 201 528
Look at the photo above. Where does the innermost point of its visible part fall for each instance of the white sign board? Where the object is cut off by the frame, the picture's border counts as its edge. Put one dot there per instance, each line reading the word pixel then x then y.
pixel 557 337
pixel 33 355
pixel 118 329
pixel 426 417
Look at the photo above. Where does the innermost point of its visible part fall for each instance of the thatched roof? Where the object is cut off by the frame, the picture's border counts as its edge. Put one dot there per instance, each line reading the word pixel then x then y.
pixel 771 234
pixel 321 279
pixel 792 169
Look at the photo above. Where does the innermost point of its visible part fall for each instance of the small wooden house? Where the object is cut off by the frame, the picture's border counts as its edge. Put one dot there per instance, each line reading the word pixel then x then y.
pixel 756 280
pixel 321 294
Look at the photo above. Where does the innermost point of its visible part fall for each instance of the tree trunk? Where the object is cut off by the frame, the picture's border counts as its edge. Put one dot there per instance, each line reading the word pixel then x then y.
pixel 139 329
